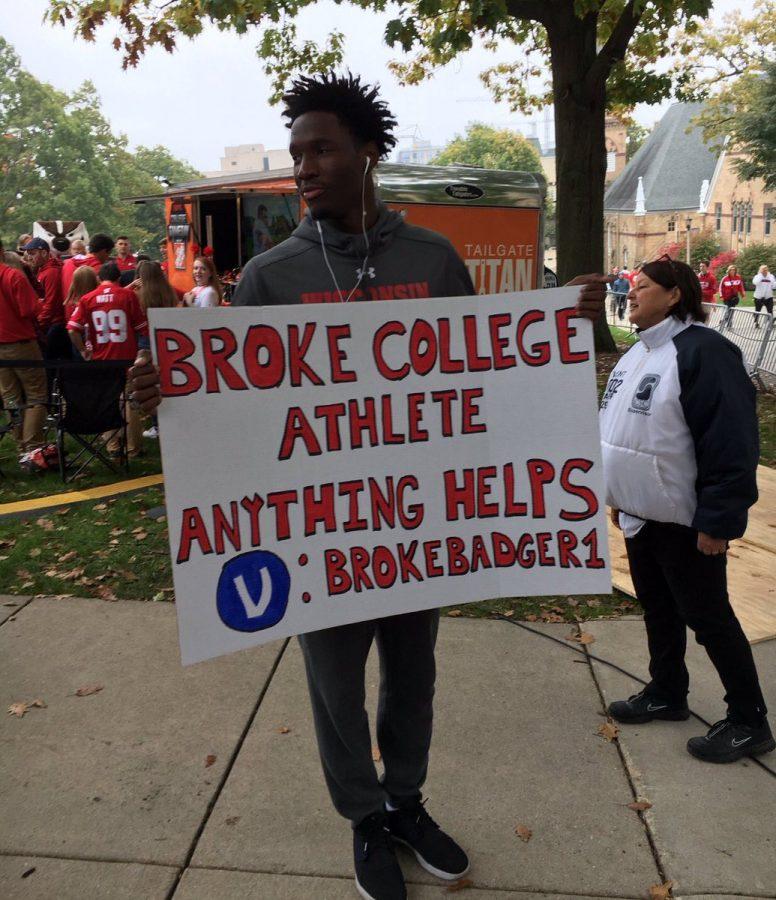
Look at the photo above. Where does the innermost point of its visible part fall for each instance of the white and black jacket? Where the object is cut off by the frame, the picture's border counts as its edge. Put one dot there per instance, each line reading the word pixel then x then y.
pixel 679 430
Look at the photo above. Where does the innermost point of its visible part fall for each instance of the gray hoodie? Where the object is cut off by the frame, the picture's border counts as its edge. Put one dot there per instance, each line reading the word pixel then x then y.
pixel 404 262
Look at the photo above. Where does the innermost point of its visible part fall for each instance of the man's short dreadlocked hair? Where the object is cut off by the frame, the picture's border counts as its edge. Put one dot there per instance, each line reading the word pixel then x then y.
pixel 355 105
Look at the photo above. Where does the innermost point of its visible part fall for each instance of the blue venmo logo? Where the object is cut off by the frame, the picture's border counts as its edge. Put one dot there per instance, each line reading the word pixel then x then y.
pixel 252 591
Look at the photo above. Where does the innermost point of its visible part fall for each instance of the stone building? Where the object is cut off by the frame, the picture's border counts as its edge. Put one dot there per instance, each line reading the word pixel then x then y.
pixel 675 185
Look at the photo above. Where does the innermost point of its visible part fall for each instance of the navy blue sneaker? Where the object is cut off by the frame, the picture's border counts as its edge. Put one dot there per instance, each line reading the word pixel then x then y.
pixel 436 851
pixel 728 741
pixel 378 875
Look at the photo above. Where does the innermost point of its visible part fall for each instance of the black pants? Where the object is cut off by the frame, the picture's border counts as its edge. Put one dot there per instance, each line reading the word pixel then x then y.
pixel 678 587
pixel 765 303
pixel 335 659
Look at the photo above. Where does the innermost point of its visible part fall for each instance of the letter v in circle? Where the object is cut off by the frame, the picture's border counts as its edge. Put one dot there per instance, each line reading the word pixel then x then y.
pixel 253 591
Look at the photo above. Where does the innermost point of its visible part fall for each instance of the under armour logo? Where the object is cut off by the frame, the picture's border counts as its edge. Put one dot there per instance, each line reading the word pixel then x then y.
pixel 370 272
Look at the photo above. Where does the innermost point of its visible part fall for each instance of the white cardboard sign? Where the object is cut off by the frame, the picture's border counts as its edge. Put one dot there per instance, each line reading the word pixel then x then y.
pixel 333 463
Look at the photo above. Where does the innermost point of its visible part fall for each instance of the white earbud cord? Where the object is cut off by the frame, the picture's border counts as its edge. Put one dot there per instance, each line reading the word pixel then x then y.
pixel 366 241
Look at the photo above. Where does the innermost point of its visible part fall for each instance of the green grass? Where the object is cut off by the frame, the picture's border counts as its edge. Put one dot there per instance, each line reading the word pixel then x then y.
pixel 108 549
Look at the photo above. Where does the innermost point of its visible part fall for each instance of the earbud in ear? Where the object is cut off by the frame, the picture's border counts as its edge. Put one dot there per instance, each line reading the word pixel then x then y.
pixel 366 166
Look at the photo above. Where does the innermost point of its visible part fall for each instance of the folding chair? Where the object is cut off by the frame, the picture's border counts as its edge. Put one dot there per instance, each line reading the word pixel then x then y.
pixel 89 403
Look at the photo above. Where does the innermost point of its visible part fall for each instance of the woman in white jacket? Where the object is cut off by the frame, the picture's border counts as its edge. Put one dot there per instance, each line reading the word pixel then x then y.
pixel 764 283
pixel 680 449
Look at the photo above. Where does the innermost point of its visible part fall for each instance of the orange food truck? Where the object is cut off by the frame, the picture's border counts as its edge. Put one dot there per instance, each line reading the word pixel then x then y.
pixel 494 219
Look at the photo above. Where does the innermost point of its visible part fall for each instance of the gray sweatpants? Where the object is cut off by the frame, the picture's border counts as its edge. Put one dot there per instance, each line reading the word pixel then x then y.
pixel 335 659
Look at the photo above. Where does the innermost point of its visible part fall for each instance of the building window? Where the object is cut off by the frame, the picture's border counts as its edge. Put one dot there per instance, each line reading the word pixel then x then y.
pixel 672 224
pixel 611 160
pixel 749 218
pixel 718 216
pixel 734 229
pixel 767 218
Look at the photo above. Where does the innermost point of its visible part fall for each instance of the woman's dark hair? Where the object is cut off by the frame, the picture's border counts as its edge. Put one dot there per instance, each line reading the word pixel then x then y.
pixel 109 271
pixel 670 273
pixel 355 105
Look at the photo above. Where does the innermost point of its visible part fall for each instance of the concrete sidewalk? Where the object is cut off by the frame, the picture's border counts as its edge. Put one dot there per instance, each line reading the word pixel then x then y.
pixel 204 782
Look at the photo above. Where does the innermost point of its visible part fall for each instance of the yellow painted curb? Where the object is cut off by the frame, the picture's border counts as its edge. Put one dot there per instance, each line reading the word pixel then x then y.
pixel 95 493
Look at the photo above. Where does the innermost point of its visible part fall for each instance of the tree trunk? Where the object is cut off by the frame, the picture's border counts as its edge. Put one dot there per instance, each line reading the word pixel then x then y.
pixel 580 155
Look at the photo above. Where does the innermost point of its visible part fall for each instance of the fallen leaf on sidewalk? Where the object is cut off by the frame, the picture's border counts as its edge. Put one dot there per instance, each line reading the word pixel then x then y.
pixel 100 506
pixel 524 833
pixel 232 820
pixel 584 637
pixel 27 872
pixel 210 759
pixel 20 708
pixel 609 731
pixel 593 603
pixel 141 535
pixel 284 729
pixel 460 885
pixel 67 557
pixel 376 755
pixel 531 617
pixel 105 593
pixel 7 543
pixel 661 891
pixel 63 512
pixel 36 551
pixel 508 613
pixel 45 524
pixel 640 805
pixel 454 613
pixel 88 689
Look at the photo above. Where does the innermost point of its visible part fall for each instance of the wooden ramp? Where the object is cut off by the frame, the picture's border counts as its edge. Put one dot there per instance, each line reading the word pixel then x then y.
pixel 751 564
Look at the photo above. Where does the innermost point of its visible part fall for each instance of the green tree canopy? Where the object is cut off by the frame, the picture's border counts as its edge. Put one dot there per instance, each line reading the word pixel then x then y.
pixel 60 160
pixel 734 69
pixel 490 148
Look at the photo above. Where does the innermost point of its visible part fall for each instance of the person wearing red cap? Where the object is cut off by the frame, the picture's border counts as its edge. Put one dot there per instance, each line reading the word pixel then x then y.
pixel 100 247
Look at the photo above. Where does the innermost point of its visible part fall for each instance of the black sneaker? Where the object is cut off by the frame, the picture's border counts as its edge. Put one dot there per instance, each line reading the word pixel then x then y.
pixel 728 741
pixel 378 876
pixel 643 707
pixel 436 851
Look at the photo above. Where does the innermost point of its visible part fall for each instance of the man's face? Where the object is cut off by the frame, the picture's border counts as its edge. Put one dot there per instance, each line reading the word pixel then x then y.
pixel 122 248
pixel 328 167
pixel 36 258
pixel 703 268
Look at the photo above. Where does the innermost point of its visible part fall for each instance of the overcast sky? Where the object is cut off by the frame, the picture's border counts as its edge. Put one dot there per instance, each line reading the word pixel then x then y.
pixel 211 92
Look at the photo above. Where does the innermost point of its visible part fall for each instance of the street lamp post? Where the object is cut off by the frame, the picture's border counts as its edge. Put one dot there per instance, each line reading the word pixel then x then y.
pixel 688 226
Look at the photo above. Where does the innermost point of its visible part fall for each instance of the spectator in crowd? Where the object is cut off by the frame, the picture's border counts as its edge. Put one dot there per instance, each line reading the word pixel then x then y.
pixel 13 260
pixel 764 283
pixel 124 258
pixel 129 277
pixel 114 319
pixel 731 290
pixel 155 292
pixel 51 317
pixel 683 406
pixel 24 390
pixel 620 288
pixel 100 247
pixel 69 265
pixel 708 283
pixel 23 239
pixel 85 280
pixel 207 289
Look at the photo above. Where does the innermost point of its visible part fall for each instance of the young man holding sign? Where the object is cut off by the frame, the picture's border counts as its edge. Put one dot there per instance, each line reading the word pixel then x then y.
pixel 350 248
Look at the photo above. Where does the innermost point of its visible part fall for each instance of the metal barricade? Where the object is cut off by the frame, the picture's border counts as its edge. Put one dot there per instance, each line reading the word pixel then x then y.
pixel 617 311
pixel 752 332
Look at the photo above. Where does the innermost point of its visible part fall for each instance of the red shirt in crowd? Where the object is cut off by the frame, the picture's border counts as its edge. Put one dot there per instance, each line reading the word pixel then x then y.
pixel 19 306
pixel 68 270
pixel 50 277
pixel 708 286
pixel 113 317
pixel 125 263
pixel 731 286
